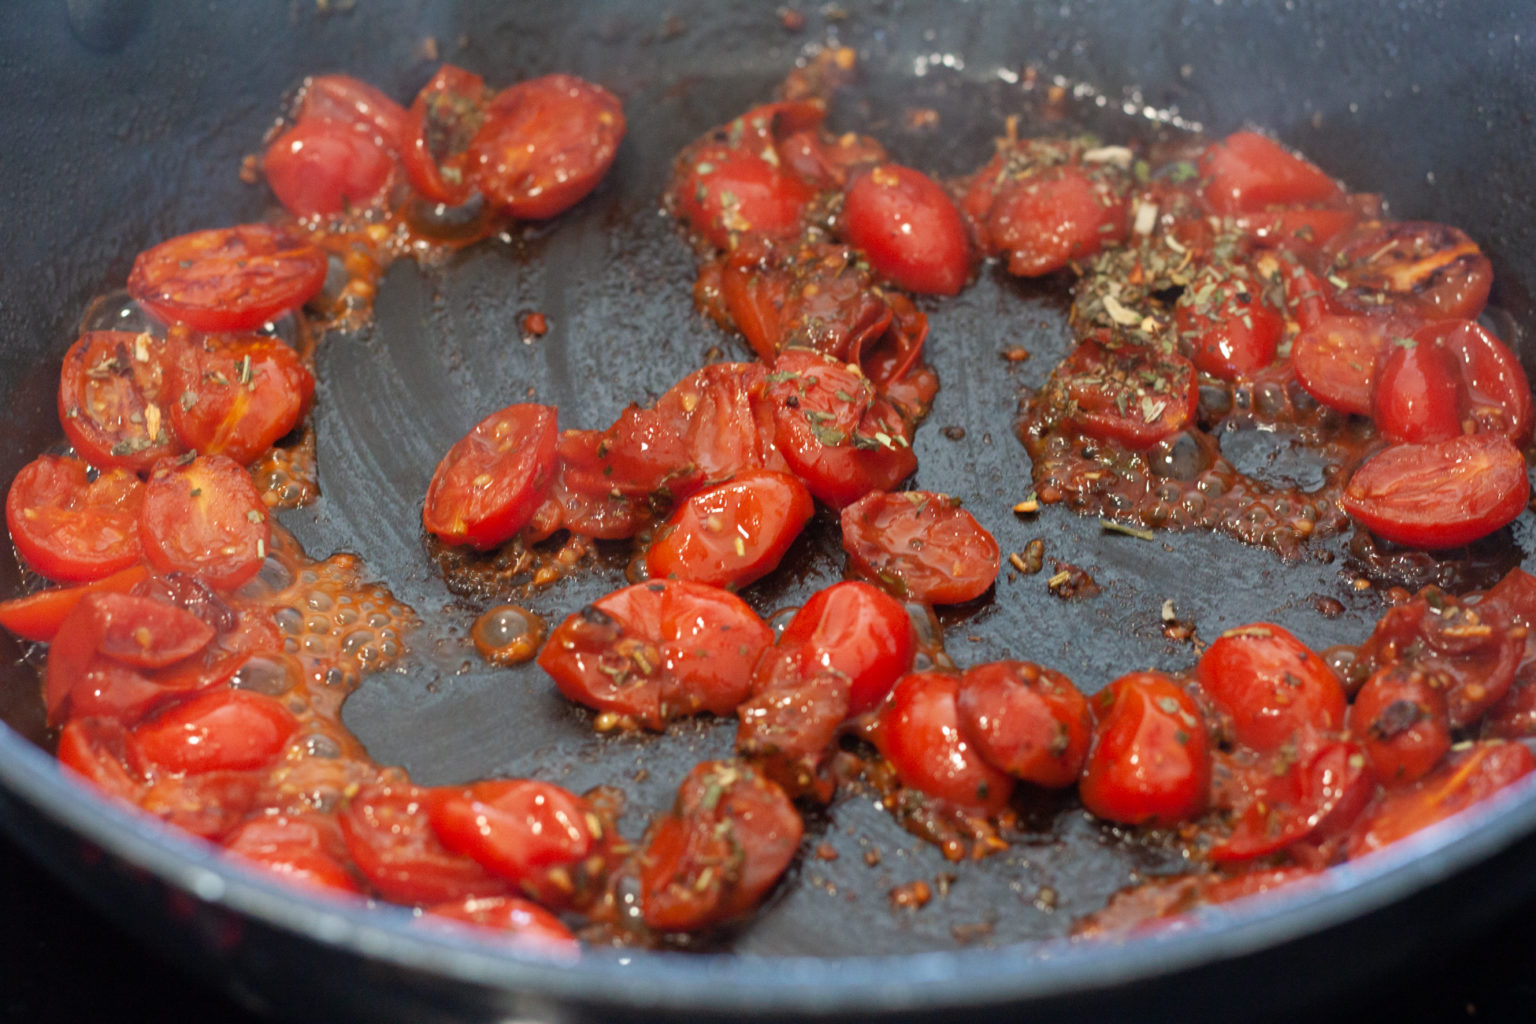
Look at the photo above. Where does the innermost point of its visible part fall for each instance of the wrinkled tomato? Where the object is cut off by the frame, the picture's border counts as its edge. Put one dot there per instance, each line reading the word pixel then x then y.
pixel 909 229
pixel 921 545
pixel 1150 763
pixel 115 399
pixel 204 517
pixel 732 533
pixel 919 731
pixel 69 527
pixel 1029 721
pixel 442 121
pixel 490 483
pixel 1272 685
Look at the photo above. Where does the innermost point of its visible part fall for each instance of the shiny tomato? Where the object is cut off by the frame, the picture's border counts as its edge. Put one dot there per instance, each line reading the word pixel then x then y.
pixel 354 102
pixel 442 121
pixel 114 399
pixel 728 194
pixel 226 730
pixel 1272 685
pixel 1297 228
pixel 851 630
pixel 1417 397
pixel 37 616
pixel 1414 267
pixel 303 848
pixel 1247 172
pixel 729 836
pixel 1150 763
pixel 1129 395
pixel 490 483
pixel 521 922
pixel 143 632
pixel 227 279
pixel 657 651
pixel 1229 327
pixel 1495 394
pixel 1029 721
pixel 1337 358
pixel 388 833
pixel 1442 494
pixel 1308 298
pixel 545 143
pixel 909 229
pixel 1310 790
pixel 828 163
pixel 919 731
pixel 788 725
pixel 1400 719
pixel 320 167
pixel 733 533
pixel 921 545
pixel 209 805
pixel 204 517
pixel 724 422
pixel 95 749
pixel 538 836
pixel 1045 220
pixel 237 396
pixel 69 527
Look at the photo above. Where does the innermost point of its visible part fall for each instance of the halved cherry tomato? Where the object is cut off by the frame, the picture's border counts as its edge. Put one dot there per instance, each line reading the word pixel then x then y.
pixel 726 423
pixel 205 517
pixel 209 805
pixel 227 730
pixel 1247 172
pixel 521 921
pixel 538 836
pixel 1495 394
pixel 726 193
pixel 1047 218
pixel 730 835
pixel 227 279
pixel 69 527
pixel 303 848
pixel 442 121
pixel 1126 394
pixel 37 616
pixel 96 749
pixel 1400 719
pixel 389 835
pixel 909 229
pixel 545 143
pixel 1306 791
pixel 1272 685
pixel 490 483
pixel 1417 396
pixel 921 545
pixel 237 396
pixel 1229 327
pixel 1029 721
pixel 1423 269
pixel 657 651
pixel 114 399
pixel 321 167
pixel 733 533
pixel 1337 358
pixel 355 102
pixel 919 731
pixel 827 163
pixel 1151 761
pixel 788 725
pixel 145 633
pixel 1441 494
pixel 1308 298
pixel 1296 228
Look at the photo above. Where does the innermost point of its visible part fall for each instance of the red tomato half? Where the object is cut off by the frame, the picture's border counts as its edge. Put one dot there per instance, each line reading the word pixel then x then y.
pixel 1400 718
pixel 1415 267
pixel 1129 394
pixel 1337 358
pixel 725 193
pixel 442 121
pixel 1495 394
pixel 1045 220
pixel 96 750
pixel 919 731
pixel 237 396
pixel 522 922
pixel 305 848
pixel 227 279
pixel 545 143
pixel 1029 721
pixel 1229 328
pixel 205 517
pixel 1417 397
pixel 921 545
pixel 1247 172
pixel 733 533
pixel 492 480
pixel 1442 494
pixel 321 167
pixel 1151 762
pixel 354 102
pixel 226 730
pixel 37 616
pixel 909 229
pixel 1272 685
pixel 115 397
pixel 71 528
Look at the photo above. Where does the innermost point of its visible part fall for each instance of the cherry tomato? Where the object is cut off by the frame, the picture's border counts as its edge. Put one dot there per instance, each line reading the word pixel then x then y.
pixel 851 630
pixel 733 533
pixel 545 143
pixel 1308 790
pixel 1308 298
pixel 825 163
pixel 69 527
pixel 921 545
pixel 1441 494
pixel 1400 718
pixel 1416 267
pixel 227 730
pixel 1247 172
pixel 523 922
pixel 321 167
pixel 657 651
pixel 204 517
pixel 1167 902
pixel 730 835
pixel 1047 218
pixel 303 848
pixel 1151 762
pixel 237 396
pixel 1416 397
pixel 909 229
pixel 535 834
pixel 209 805
pixel 725 193
pixel 37 616
pixel 354 102
pixel 442 121
pixel 388 833
pixel 1272 685
pixel 1129 395
pixel 96 750
pixel 1465 778
pixel 1337 358
pixel 919 731
pixel 491 481
pixel 1495 394
pixel 1029 721
pixel 726 424
pixel 114 399
pixel 227 279
pixel 1298 229
pixel 788 725
pixel 1229 328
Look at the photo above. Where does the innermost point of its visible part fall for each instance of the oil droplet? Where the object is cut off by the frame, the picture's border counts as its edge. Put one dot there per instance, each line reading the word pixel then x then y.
pixel 507 634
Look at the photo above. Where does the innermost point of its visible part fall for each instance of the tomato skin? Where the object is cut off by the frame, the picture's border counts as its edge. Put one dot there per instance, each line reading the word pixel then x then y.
pixel 306 849
pixel 1150 763
pixel 237 396
pixel 111 417
pixel 1247 172
pixel 726 193
pixel 489 484
pixel 921 544
pixel 919 731
pixel 523 922
pixel 205 518
pixel 1272 685
pixel 788 725
pixel 1047 219
pixel 657 651
pixel 909 228
pixel 388 833
pixel 356 103
pixel 1416 397
pixel 227 279
pixel 70 528
pixel 441 123
pixel 1400 718
pixel 1428 270
pixel 1228 326
pixel 37 616
pixel 1029 721
pixel 1111 401
pixel 96 750
pixel 225 730
pixel 320 167
pixel 1495 394
pixel 1297 229
pixel 545 144
pixel 209 805
pixel 725 423
pixel 733 533
pixel 1311 792
pixel 1338 357
pixel 1441 494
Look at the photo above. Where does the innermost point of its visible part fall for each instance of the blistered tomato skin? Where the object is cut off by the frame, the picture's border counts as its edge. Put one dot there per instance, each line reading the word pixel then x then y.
pixel 1027 720
pixel 909 228
pixel 1150 763
pixel 491 482
pixel 921 545
pixel 1271 684
pixel 919 731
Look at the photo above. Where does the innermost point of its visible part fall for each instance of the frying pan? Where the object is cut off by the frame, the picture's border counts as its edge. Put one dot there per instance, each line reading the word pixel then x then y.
pixel 127 125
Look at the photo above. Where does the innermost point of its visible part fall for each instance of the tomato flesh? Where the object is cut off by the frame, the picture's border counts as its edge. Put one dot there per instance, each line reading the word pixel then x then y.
pixel 1150 763
pixel 388 833
pixel 115 399
pixel 1247 172
pixel 69 527
pixel 733 533
pixel 439 127
pixel 919 731
pixel 1029 721
pixel 921 545
pixel 238 396
pixel 205 518
pixel 1272 685
pixel 320 167
pixel 226 730
pixel 1400 718
pixel 490 483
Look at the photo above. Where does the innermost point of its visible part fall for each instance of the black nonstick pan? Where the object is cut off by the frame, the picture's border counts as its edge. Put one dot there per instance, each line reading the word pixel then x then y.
pixel 127 124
